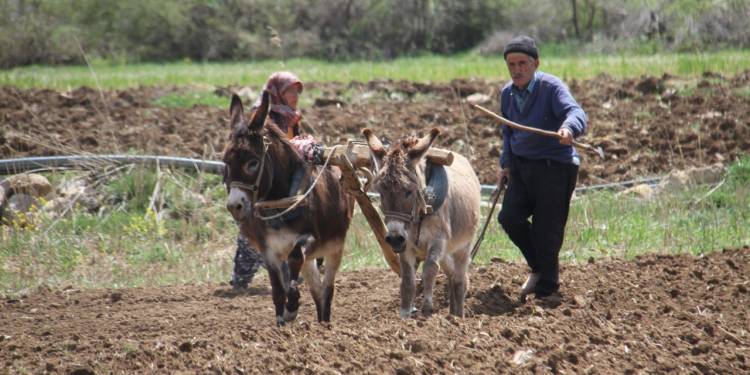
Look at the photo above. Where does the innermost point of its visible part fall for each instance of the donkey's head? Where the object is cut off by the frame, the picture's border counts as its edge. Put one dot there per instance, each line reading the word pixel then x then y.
pixel 400 184
pixel 257 159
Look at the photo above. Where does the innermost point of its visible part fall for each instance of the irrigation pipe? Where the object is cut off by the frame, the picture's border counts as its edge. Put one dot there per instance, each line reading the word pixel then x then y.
pixel 20 165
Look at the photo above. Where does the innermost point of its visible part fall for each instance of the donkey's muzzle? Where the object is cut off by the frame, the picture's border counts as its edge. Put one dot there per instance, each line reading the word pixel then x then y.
pixel 238 205
pixel 397 242
pixel 235 208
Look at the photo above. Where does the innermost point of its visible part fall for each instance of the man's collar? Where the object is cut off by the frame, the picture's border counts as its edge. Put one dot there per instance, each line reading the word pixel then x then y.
pixel 530 87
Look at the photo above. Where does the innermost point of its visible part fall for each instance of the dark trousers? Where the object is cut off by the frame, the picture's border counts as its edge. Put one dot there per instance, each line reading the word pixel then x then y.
pixel 540 189
pixel 247 261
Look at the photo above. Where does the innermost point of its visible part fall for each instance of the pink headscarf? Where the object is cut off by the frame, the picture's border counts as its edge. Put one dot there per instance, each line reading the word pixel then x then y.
pixel 284 115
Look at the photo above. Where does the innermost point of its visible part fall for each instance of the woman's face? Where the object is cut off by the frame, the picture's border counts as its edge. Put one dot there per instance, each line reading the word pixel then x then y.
pixel 291 96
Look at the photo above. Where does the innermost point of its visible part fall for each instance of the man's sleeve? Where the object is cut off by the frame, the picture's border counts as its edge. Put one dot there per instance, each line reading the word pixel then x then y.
pixel 566 107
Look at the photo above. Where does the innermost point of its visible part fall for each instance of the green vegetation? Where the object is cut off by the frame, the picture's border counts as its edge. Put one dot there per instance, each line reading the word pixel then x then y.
pixel 73 31
pixel 606 224
pixel 745 91
pixel 192 239
pixel 421 69
pixel 190 99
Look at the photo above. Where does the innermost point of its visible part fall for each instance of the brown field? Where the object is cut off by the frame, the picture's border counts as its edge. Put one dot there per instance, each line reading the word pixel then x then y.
pixel 642 132
pixel 658 313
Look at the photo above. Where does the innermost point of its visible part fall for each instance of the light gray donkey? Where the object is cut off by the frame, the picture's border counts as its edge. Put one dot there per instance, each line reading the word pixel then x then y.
pixel 433 224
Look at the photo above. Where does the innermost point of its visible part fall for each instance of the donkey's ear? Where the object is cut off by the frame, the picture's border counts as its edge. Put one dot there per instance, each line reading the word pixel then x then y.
pixel 235 111
pixel 375 145
pixel 416 152
pixel 259 117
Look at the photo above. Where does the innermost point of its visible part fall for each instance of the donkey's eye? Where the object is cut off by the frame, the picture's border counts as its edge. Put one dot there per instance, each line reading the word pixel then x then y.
pixel 251 165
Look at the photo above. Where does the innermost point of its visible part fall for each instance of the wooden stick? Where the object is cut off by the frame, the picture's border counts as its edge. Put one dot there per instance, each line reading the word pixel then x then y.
pixel 541 132
pixel 439 156
pixel 279 203
pixel 359 155
pixel 350 180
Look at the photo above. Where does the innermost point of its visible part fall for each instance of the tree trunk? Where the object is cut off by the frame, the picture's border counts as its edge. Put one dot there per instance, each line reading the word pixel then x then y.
pixel 574 3
pixel 591 5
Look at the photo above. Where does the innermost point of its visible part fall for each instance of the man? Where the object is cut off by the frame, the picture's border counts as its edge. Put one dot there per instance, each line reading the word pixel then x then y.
pixel 540 171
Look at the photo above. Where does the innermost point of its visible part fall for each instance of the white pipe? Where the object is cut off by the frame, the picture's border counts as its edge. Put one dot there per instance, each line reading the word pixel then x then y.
pixel 19 165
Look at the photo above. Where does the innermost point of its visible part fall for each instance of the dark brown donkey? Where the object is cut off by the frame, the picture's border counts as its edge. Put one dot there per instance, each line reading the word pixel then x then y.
pixel 261 166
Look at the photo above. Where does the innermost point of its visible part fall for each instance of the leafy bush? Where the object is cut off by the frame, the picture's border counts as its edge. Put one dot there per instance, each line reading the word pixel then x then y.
pixel 71 31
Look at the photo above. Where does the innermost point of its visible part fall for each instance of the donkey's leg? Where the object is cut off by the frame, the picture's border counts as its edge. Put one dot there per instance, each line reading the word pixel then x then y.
pixel 275 275
pixel 312 278
pixel 408 286
pixel 429 273
pixel 461 259
pixel 295 261
pixel 332 261
pixel 449 268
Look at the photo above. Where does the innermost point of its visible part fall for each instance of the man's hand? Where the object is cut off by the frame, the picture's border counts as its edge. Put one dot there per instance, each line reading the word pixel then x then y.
pixel 503 176
pixel 566 137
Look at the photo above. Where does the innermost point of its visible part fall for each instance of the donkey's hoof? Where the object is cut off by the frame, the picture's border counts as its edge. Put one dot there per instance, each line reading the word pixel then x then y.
pixel 290 315
pixel 292 303
pixel 408 313
pixel 522 298
pixel 280 321
pixel 427 311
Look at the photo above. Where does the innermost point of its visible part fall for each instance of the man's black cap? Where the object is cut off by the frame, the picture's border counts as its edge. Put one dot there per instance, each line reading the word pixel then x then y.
pixel 523 44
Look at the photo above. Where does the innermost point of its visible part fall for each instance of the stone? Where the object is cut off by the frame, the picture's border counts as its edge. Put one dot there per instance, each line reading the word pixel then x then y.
pixel 641 191
pixel 31 184
pixel 478 98
pixel 680 180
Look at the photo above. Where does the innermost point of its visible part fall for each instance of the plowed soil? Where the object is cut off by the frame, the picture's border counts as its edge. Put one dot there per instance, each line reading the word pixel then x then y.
pixel 658 313
pixel 646 126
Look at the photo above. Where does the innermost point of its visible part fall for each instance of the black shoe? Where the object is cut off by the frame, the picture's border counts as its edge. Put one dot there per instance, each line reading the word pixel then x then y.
pixel 545 288
pixel 549 301
pixel 239 283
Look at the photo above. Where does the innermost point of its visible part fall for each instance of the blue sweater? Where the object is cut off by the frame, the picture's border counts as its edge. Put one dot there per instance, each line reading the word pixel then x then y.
pixel 549 106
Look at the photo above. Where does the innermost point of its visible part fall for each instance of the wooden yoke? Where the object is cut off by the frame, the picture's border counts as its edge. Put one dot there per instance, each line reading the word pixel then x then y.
pixel 351 182
pixel 357 155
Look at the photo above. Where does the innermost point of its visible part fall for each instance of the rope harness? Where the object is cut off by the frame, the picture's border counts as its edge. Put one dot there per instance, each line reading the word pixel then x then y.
pixel 254 188
pixel 418 212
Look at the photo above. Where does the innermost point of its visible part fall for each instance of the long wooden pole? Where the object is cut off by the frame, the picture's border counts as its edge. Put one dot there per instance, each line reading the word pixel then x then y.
pixel 529 129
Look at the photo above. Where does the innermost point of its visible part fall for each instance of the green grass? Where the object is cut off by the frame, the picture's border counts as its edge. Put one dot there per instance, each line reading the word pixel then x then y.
pixel 745 91
pixel 425 68
pixel 127 245
pixel 190 99
pixel 604 224
pixel 207 96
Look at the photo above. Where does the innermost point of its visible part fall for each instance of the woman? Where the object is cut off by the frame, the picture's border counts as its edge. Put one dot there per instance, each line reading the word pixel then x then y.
pixel 284 89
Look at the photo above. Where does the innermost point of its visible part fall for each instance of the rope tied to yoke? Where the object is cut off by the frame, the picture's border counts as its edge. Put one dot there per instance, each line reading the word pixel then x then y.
pixel 304 196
